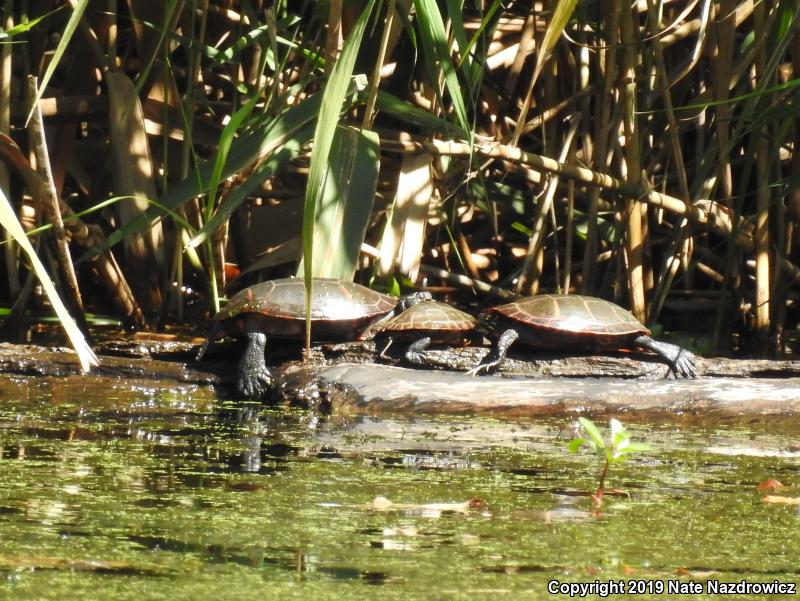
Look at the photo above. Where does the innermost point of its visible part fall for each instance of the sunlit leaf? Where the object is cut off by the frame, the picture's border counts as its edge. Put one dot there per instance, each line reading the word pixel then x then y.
pixel 437 57
pixel 245 151
pixel 332 101
pixel 594 433
pixel 346 203
pixel 9 222
pixel 560 17
pixel 20 28
pixel 575 444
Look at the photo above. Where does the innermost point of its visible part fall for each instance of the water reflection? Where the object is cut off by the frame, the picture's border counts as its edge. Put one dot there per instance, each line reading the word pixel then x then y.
pixel 230 496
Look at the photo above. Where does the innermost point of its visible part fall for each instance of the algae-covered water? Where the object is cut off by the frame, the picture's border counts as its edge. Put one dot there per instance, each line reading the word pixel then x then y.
pixel 152 494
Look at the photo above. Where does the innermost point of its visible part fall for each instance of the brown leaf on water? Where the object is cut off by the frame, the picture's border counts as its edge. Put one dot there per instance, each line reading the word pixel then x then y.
pixel 769 485
pixel 779 500
pixel 698 574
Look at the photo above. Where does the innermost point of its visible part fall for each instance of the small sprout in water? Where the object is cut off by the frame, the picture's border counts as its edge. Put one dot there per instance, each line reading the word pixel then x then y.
pixel 618 448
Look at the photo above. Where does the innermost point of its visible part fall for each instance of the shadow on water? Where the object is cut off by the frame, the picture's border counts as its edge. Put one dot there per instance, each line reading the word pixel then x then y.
pixel 219 498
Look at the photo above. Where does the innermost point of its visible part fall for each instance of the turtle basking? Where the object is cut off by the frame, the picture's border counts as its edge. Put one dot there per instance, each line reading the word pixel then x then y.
pixel 424 321
pixel 340 310
pixel 573 322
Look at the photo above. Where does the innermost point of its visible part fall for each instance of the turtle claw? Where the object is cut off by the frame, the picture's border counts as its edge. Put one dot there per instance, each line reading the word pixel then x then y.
pixel 681 362
pixel 684 365
pixel 477 370
pixel 497 355
pixel 254 383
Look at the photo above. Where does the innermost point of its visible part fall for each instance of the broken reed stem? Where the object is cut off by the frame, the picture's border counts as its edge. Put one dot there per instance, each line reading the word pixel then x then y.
pixel 12 269
pixel 49 206
pixel 633 212
pixel 761 233
pixel 700 212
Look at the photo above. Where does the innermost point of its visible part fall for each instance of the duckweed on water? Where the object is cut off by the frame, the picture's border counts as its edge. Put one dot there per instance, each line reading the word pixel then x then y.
pixel 182 500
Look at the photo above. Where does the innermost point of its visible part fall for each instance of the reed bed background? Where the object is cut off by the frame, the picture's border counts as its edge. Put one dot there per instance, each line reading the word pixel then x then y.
pixel 642 151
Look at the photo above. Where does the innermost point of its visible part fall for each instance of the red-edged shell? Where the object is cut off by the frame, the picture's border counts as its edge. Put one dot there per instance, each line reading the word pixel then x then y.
pixel 430 315
pixel 331 300
pixel 573 313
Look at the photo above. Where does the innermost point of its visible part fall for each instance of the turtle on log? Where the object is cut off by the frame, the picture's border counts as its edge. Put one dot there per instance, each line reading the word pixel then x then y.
pixel 340 310
pixel 424 321
pixel 573 322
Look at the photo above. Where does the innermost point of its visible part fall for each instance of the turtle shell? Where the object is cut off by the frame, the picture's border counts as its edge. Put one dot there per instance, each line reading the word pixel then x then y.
pixel 429 316
pixel 586 317
pixel 339 309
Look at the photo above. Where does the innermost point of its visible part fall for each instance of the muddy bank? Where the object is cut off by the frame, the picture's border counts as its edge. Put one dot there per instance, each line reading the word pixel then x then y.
pixel 343 378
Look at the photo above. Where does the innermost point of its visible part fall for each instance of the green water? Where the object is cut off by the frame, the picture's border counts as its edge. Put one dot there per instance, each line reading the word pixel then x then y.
pixel 151 494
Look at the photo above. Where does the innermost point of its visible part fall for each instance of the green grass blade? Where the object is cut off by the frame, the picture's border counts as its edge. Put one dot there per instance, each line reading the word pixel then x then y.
pixel 72 25
pixel 26 26
pixel 413 115
pixel 245 150
pixel 455 12
pixel 221 156
pixel 332 100
pixel 346 204
pixel 561 15
pixel 487 19
pixel 8 220
pixel 437 53
pixel 269 168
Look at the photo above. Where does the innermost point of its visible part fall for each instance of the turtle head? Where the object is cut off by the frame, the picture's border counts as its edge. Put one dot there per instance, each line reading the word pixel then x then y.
pixel 415 298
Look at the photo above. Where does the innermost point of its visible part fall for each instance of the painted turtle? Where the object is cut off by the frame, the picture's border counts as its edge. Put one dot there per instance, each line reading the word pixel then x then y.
pixel 340 310
pixel 574 322
pixel 424 321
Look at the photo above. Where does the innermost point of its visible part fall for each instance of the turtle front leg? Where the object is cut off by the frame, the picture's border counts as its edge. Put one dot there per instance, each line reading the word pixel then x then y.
pixel 415 354
pixel 254 377
pixel 681 362
pixel 497 356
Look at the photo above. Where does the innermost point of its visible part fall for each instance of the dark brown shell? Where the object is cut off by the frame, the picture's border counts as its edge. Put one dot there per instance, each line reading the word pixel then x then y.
pixel 332 300
pixel 430 316
pixel 573 313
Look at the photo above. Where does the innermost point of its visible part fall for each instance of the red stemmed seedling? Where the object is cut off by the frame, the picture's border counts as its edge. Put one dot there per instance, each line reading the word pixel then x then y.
pixel 617 449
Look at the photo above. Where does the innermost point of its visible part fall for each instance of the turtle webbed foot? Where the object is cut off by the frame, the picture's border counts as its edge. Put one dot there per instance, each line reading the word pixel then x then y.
pixel 497 355
pixel 416 352
pixel 253 383
pixel 254 377
pixel 684 364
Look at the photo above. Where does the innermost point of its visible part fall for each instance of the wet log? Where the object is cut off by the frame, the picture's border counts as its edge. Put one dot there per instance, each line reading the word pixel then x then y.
pixel 344 378
pixel 377 389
